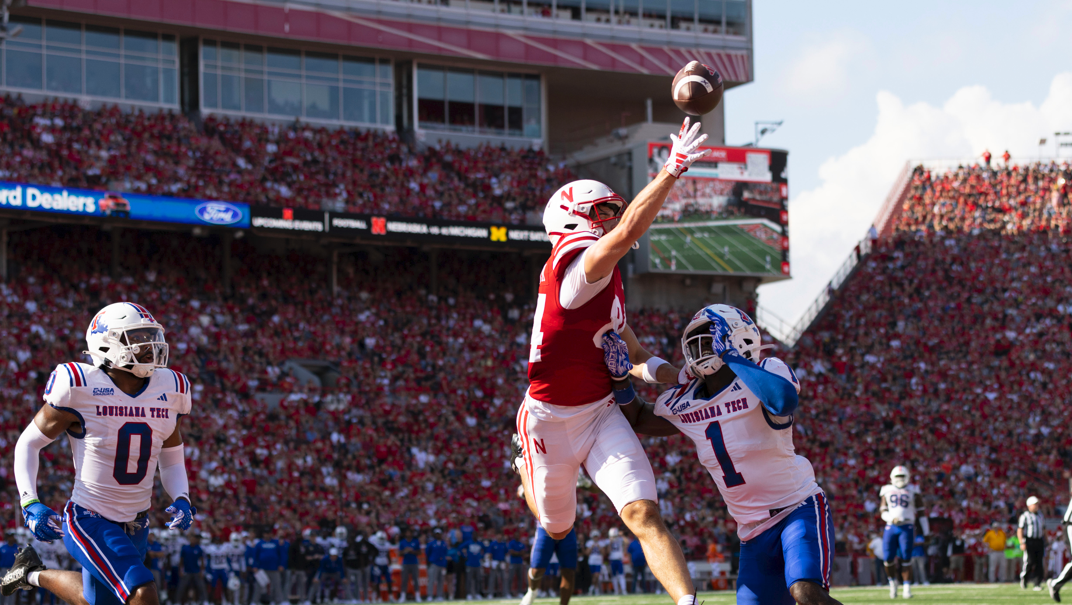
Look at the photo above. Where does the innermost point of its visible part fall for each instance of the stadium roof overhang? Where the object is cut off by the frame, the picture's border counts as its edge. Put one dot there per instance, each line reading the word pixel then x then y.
pixel 499 39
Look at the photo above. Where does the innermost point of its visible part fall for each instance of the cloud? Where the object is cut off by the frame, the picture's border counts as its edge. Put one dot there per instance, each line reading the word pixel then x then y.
pixel 827 221
pixel 821 69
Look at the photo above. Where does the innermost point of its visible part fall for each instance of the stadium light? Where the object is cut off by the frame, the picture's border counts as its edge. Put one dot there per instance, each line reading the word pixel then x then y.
pixel 765 128
pixel 1058 144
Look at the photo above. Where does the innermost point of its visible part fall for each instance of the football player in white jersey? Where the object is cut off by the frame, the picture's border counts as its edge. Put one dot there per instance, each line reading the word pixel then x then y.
pixel 122 417
pixel 899 501
pixel 218 570
pixel 740 417
pixel 615 549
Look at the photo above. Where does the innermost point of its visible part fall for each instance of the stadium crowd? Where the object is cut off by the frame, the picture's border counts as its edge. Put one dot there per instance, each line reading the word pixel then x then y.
pixel 296 165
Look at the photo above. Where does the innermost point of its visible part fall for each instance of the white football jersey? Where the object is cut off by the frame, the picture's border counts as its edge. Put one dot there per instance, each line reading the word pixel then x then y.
pixel 615 549
pixel 900 504
pixel 217 555
pixel 595 552
pixel 748 452
pixel 236 557
pixel 116 447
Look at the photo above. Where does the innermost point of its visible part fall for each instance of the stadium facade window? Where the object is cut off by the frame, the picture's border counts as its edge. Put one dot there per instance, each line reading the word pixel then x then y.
pixel 106 63
pixel 250 79
pixel 683 12
pixel 479 102
pixel 736 18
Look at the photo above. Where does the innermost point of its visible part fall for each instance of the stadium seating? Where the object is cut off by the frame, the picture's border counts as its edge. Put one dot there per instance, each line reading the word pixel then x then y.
pixel 297 165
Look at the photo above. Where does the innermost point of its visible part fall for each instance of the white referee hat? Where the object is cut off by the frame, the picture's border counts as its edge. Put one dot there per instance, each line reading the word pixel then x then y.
pixel 1032 500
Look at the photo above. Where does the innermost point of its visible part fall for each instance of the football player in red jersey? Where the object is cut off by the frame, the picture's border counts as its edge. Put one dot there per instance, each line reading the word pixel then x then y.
pixel 569 416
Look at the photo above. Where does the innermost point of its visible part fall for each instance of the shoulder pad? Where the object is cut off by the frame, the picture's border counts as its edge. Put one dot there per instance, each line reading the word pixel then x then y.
pixel 570 244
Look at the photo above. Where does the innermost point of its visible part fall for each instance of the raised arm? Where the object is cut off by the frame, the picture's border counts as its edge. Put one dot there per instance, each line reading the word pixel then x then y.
pixel 599 260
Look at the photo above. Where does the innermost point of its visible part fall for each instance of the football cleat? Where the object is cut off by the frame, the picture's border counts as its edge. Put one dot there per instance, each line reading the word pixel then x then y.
pixel 26 561
pixel 1055 593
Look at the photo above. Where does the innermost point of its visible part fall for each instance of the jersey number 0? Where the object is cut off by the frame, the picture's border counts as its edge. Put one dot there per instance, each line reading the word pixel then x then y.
pixel 122 453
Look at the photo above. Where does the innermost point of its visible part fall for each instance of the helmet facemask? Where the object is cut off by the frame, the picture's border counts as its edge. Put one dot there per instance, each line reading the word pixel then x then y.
pixel 605 214
pixel 129 349
pixel 699 350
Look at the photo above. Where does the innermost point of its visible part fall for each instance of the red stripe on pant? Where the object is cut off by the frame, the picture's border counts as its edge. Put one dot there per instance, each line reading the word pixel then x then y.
pixel 529 460
pixel 117 586
pixel 824 541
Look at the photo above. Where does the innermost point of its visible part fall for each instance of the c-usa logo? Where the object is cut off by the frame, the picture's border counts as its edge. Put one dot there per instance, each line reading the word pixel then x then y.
pixel 218 213
pixel 680 406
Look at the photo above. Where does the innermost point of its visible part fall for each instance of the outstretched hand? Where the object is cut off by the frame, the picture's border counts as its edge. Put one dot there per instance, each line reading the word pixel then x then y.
pixel 683 149
pixel 616 356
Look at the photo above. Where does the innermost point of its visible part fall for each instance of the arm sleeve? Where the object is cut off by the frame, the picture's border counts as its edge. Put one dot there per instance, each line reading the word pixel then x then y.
pixel 173 472
pixel 575 289
pixel 779 395
pixel 28 460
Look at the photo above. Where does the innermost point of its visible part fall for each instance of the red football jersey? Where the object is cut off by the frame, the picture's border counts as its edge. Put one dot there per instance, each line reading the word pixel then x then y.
pixel 566 364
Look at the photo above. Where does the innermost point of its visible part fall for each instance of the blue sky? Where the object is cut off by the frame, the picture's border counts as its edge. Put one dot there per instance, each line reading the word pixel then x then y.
pixel 865 86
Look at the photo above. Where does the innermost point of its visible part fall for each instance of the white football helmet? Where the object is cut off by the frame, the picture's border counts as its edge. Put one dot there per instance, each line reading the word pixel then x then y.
pixel 697 341
pixel 899 476
pixel 117 335
pixel 594 534
pixel 612 532
pixel 236 537
pixel 573 208
pixel 340 532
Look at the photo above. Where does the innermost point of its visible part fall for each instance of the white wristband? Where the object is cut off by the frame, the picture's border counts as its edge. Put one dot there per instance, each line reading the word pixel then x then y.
pixel 650 368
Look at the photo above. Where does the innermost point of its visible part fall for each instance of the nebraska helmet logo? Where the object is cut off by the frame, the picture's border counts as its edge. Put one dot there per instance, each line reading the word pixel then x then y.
pixel 379 225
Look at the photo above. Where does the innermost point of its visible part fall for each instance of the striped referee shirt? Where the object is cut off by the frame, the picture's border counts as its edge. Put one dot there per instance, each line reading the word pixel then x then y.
pixel 1067 519
pixel 1032 524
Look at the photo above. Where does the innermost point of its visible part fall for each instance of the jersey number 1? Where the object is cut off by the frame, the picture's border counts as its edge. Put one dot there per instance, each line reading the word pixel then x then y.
pixel 718 443
pixel 122 453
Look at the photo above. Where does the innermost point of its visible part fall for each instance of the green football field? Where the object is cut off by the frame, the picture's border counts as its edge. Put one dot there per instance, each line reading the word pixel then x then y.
pixel 960 594
pixel 711 248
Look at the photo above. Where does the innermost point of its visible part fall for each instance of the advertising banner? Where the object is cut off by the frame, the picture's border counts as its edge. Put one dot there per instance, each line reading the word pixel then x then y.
pixel 84 202
pixel 399 229
pixel 727 214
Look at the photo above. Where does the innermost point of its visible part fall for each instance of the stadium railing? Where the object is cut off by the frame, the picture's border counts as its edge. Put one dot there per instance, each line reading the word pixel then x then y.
pixel 894 204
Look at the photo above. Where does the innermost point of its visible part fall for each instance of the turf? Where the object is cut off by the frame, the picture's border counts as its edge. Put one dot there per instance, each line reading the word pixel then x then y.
pixel 960 594
pixel 711 248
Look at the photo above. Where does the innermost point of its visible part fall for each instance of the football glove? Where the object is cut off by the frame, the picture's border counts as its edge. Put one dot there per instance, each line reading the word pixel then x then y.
pixel 43 522
pixel 616 356
pixel 720 335
pixel 182 515
pixel 683 149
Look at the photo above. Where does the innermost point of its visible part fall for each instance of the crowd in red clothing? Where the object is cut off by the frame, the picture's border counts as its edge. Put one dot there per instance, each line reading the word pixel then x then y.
pixel 950 351
pixel 297 165
pixel 1010 199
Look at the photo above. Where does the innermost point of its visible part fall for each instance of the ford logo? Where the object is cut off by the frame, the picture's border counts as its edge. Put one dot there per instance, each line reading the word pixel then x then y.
pixel 218 213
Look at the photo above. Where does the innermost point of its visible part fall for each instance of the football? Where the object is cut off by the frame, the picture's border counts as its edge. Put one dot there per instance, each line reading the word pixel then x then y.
pixel 697 89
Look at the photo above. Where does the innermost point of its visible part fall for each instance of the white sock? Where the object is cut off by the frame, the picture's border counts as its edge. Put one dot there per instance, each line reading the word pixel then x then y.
pixel 689 599
pixel 32 578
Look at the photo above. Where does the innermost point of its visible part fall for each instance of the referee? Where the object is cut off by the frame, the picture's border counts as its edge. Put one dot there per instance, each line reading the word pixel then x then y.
pixel 1066 573
pixel 1031 532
